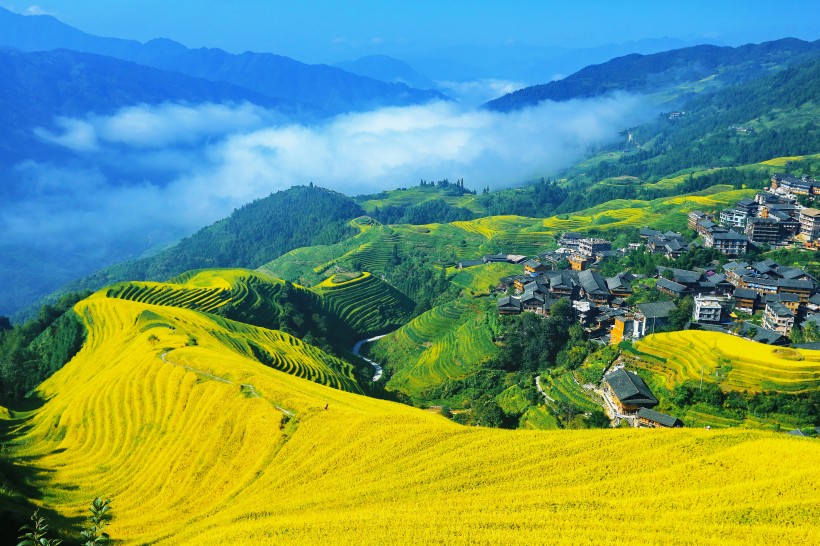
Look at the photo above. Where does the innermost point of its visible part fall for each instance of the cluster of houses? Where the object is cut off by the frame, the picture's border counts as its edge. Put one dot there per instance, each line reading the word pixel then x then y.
pixel 772 218
pixel 722 295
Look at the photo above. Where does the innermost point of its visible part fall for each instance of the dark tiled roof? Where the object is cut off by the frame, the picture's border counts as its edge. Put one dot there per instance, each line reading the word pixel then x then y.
pixel 793 283
pixel 509 302
pixel 779 309
pixel 592 282
pixel 656 310
pixel 745 293
pixel 658 417
pixel 682 276
pixel 670 285
pixel 630 388
pixel 772 298
pixel 470 263
pixel 729 236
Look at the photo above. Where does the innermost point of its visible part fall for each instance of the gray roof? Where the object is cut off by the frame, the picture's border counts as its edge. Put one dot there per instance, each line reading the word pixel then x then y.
pixel 593 282
pixel 682 276
pixel 815 299
pixel 509 302
pixel 532 263
pixel 745 293
pixel 762 335
pixel 790 272
pixel 780 298
pixel 618 282
pixel 656 310
pixel 630 388
pixel 794 283
pixel 658 417
pixel 670 285
pixel 470 263
pixel 729 236
pixel 779 309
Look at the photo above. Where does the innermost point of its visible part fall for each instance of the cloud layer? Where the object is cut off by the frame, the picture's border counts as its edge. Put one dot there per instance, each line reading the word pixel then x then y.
pixel 170 169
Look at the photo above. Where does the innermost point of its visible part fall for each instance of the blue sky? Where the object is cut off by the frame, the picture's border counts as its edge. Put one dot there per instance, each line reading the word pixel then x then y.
pixel 330 31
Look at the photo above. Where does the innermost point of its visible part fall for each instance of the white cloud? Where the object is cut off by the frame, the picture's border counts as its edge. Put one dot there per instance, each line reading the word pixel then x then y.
pixel 176 168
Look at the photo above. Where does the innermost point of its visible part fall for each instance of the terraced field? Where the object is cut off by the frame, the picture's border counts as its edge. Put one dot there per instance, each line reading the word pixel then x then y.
pixel 563 387
pixel 367 304
pixel 448 342
pixel 190 459
pixel 736 363
pixel 174 295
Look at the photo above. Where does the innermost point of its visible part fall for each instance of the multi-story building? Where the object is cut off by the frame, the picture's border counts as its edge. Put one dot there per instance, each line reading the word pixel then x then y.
pixel 729 243
pixel 778 318
pixel 733 218
pixel 695 217
pixel 763 230
pixel 577 262
pixel 707 309
pixel 810 224
pixel 749 206
pixel 591 246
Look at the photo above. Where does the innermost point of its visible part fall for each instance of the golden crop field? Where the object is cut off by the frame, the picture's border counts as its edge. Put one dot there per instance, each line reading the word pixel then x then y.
pixel 738 364
pixel 190 454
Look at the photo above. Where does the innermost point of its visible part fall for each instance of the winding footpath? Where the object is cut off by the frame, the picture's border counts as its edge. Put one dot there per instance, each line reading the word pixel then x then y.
pixel 376 368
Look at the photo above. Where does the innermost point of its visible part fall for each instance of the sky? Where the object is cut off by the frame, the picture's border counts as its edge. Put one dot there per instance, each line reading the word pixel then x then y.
pixel 332 31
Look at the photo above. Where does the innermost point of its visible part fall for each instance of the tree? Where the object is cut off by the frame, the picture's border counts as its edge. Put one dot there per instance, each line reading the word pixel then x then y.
pixel 486 412
pixel 598 419
pixel 683 314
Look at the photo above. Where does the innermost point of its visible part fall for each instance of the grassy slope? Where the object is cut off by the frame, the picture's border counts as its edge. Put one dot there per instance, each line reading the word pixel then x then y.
pixel 191 460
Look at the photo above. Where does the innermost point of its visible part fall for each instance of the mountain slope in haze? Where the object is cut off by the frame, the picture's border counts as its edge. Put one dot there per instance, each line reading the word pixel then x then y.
pixel 41 86
pixel 663 71
pixel 251 236
pixel 326 87
pixel 388 69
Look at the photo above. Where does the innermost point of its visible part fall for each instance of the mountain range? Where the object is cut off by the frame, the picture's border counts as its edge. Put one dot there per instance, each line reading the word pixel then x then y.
pixel 330 89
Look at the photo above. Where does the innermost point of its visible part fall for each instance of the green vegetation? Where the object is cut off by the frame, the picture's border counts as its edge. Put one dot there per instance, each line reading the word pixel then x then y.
pixel 31 352
pixel 366 304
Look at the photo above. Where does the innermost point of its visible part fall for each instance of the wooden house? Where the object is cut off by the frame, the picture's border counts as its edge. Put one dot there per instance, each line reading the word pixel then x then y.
pixel 628 391
pixel 651 418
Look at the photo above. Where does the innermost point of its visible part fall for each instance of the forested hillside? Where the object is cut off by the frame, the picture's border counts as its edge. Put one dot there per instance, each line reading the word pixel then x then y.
pixel 254 234
pixel 688 69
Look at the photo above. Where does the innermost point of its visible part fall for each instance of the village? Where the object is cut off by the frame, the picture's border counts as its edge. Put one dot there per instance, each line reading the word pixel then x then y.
pixel 764 301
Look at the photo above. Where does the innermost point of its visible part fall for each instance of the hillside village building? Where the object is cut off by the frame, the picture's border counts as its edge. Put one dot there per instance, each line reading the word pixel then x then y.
pixel 778 318
pixel 810 224
pixel 655 419
pixel 628 391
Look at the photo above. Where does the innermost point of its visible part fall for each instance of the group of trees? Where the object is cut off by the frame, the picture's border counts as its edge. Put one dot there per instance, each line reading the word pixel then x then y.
pixel 803 406
pixel 31 352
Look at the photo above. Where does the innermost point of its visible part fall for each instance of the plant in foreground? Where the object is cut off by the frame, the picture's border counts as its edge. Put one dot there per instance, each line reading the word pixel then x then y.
pixel 35 533
pixel 94 535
